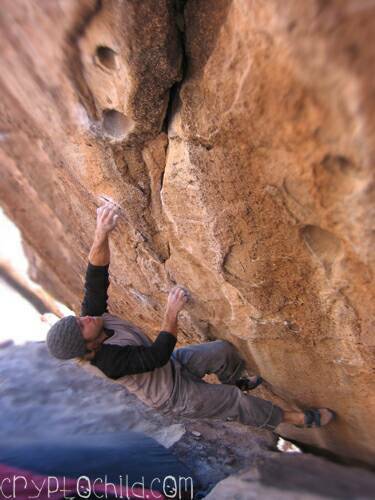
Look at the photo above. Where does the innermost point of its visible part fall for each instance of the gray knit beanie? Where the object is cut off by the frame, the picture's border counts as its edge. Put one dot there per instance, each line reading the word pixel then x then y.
pixel 65 340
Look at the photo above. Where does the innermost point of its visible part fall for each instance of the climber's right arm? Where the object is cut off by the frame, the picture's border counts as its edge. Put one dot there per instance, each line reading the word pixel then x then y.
pixel 117 361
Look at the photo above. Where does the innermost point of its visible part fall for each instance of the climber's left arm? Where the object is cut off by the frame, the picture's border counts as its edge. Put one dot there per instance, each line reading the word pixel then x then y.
pixel 97 281
pixel 107 216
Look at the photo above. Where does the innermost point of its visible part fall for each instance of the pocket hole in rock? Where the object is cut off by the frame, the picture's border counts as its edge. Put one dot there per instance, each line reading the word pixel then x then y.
pixel 106 57
pixel 115 124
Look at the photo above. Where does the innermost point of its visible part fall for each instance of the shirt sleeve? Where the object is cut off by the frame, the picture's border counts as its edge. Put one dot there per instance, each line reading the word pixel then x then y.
pixel 96 287
pixel 116 361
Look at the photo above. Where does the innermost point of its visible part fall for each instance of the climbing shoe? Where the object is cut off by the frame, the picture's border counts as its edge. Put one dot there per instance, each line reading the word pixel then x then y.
pixel 245 384
pixel 317 417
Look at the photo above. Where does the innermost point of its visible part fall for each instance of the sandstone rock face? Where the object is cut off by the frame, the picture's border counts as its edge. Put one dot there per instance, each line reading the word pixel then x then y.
pixel 238 138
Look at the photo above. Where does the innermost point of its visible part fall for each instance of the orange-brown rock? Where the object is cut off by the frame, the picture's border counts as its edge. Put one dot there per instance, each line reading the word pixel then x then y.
pixel 250 181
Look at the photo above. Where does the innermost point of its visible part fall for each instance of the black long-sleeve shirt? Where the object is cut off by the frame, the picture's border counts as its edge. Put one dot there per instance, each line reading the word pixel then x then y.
pixel 116 361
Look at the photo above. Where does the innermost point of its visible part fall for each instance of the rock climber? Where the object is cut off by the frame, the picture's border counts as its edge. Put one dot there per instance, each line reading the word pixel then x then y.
pixel 166 379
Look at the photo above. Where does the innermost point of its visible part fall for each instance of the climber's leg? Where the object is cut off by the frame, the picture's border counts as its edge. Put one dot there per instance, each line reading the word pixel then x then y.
pixel 219 357
pixel 192 397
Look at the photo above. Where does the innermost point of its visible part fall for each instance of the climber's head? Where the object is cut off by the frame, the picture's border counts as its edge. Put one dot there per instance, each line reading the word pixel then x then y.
pixel 74 336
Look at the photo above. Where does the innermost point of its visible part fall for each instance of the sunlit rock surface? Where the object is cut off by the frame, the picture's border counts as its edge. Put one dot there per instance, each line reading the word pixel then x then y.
pixel 238 138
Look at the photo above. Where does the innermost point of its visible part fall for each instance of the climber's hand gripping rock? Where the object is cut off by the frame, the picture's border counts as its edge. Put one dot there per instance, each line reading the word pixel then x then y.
pixel 106 218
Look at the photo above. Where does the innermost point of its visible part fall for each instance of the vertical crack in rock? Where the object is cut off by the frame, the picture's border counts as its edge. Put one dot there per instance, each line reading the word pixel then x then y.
pixel 175 89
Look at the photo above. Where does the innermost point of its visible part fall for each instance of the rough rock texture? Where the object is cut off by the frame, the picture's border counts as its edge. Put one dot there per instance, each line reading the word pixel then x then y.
pixel 249 182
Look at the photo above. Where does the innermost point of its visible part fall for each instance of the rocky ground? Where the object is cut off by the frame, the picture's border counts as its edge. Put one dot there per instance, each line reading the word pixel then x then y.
pixel 41 395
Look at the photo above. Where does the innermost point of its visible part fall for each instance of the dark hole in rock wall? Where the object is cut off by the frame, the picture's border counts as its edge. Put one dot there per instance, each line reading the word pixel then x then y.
pixel 106 57
pixel 116 124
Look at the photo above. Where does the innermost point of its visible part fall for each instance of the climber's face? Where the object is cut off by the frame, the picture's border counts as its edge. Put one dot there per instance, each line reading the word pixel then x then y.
pixel 91 328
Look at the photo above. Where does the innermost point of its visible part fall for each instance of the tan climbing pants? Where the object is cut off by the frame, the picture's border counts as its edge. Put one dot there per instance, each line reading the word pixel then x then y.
pixel 193 397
